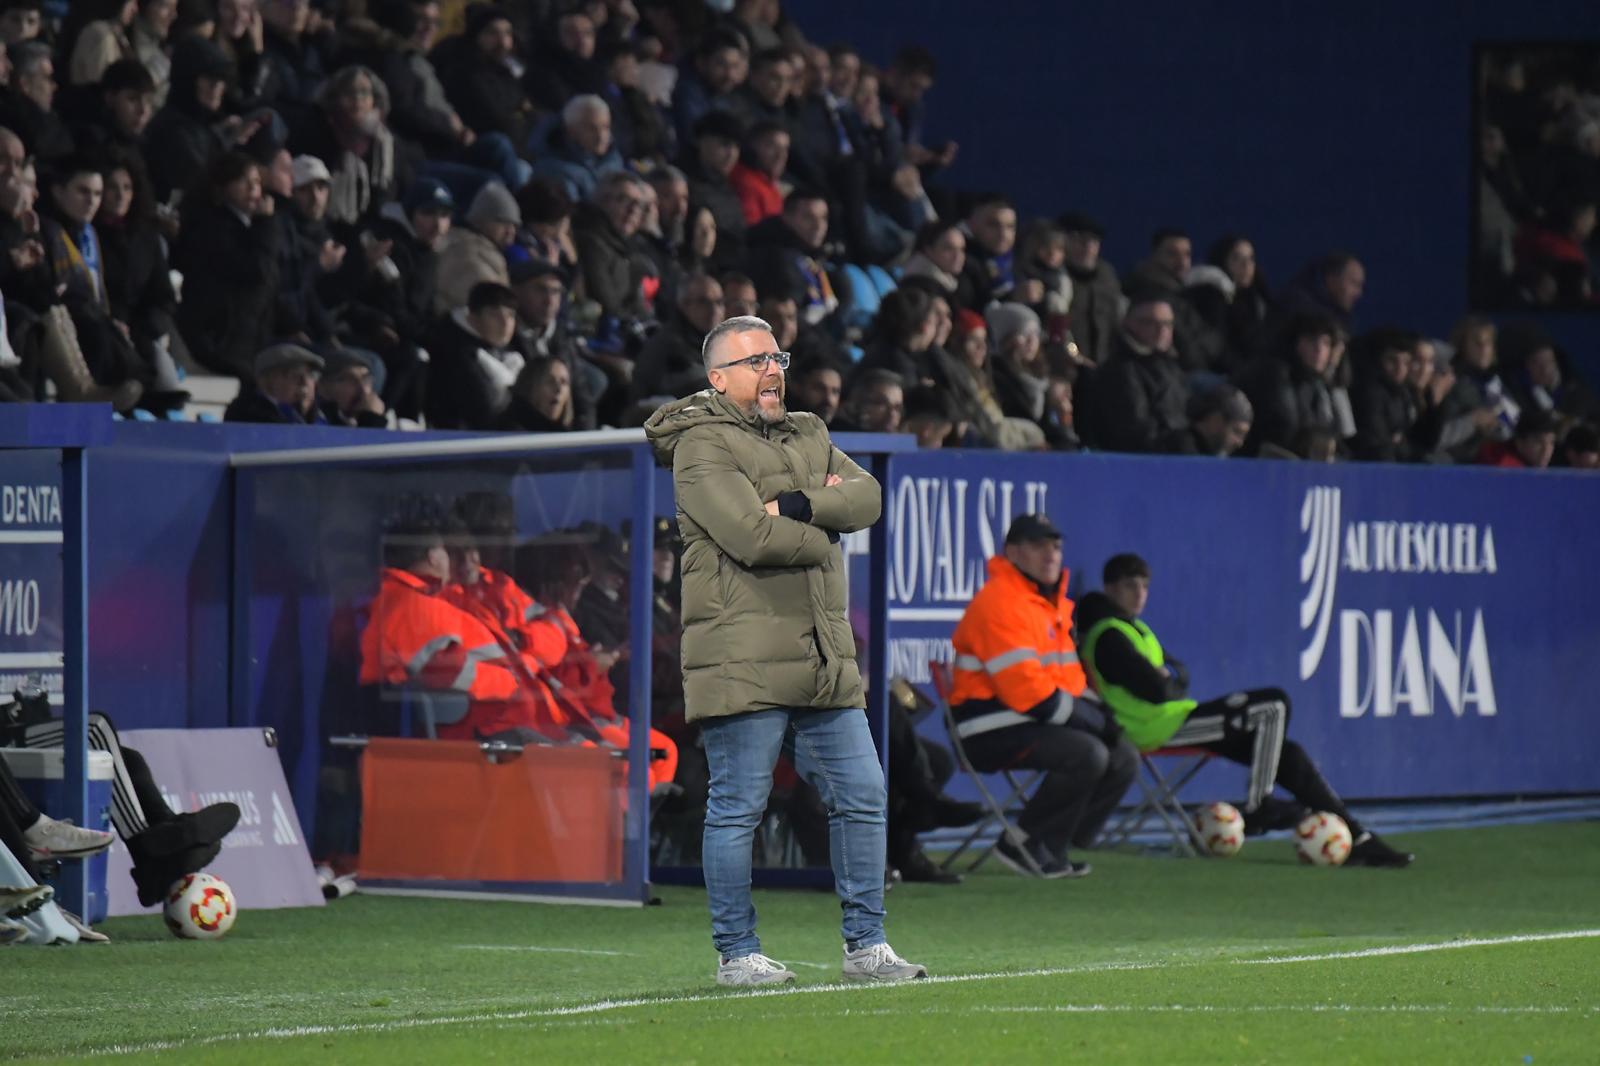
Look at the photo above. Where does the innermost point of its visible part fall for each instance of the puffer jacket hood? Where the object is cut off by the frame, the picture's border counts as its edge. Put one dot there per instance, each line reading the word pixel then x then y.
pixel 672 420
pixel 764 597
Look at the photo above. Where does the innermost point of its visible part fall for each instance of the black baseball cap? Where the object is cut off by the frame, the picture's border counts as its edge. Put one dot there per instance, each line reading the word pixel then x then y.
pixel 1031 527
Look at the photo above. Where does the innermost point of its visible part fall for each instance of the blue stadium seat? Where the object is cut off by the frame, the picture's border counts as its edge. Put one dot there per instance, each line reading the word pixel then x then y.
pixel 881 280
pixel 141 415
pixel 864 298
pixel 854 351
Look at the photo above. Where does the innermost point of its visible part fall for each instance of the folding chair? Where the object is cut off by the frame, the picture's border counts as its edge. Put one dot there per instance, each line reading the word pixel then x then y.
pixel 1001 807
pixel 1159 801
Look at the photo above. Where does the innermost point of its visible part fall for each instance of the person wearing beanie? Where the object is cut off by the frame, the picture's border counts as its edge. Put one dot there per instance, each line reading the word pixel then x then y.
pixel 475 253
pixel 1021 374
pixel 1141 395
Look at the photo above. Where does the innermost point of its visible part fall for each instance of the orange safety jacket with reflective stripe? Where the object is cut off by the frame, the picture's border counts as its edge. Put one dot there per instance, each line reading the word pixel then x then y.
pixel 1014 654
pixel 497 598
pixel 416 636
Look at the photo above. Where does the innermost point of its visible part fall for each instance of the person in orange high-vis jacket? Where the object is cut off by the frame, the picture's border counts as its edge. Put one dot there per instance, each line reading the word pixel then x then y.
pixel 550 647
pixel 1015 701
pixel 416 636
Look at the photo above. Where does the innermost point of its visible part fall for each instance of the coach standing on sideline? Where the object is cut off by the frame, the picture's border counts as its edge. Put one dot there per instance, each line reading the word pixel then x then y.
pixel 767 650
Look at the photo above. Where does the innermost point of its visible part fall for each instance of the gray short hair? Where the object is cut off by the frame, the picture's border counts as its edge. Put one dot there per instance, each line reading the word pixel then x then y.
pixel 737 324
pixel 667 172
pixel 25 55
pixel 579 106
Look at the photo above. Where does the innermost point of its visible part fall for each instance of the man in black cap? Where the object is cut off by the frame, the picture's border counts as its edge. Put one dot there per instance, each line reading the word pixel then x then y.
pixel 1016 704
pixel 1096 290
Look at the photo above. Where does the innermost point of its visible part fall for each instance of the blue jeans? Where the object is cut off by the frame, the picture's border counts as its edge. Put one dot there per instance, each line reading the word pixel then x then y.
pixel 833 751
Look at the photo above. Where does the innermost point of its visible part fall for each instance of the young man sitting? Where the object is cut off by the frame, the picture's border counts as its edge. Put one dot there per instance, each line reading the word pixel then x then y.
pixel 1147 691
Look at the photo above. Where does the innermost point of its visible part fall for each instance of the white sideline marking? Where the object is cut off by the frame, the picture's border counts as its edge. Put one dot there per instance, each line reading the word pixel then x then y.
pixel 1274 1008
pixel 1414 949
pixel 607 1005
pixel 552 951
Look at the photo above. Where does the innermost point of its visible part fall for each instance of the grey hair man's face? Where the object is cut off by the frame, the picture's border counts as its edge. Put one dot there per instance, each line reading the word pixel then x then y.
pixel 759 393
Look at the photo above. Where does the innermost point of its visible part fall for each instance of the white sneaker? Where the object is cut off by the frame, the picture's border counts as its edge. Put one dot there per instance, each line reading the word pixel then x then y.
pixel 50 839
pixel 880 963
pixel 86 935
pixel 17 902
pixel 753 969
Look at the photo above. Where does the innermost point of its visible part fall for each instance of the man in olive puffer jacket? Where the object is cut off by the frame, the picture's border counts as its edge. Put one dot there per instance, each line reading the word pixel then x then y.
pixel 762 498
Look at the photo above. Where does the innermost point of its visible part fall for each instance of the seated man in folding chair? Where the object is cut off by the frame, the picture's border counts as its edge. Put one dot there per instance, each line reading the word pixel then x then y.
pixel 1015 705
pixel 1146 690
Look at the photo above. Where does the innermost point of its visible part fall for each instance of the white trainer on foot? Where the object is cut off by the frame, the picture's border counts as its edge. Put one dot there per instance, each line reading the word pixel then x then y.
pixel 86 935
pixel 18 902
pixel 50 839
pixel 880 963
pixel 753 969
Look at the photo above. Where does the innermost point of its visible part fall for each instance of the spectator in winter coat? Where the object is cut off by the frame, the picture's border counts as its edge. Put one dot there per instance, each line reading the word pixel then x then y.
pixel 564 66
pixel 283 390
pixel 1385 411
pixel 1021 375
pixel 297 58
pixel 541 290
pixel 685 237
pixel 227 253
pixel 1330 286
pixel 392 295
pixel 671 363
pixel 756 178
pixel 905 83
pixel 546 231
pixel 123 109
pixel 604 231
pixel 787 257
pixel 1289 390
pixel 816 387
pixel 1042 259
pixel 577 151
pixel 638 126
pixel 477 72
pixel 1479 408
pixel 901 340
pixel 148 35
pixel 1540 380
pixel 1580 448
pixel 541 400
pixel 367 166
pixel 939 253
pixel 1141 397
pixel 1237 305
pixel 27 103
pixel 715 142
pixel 720 64
pixel 1097 300
pixel 475 253
pixel 102 40
pixel 307 253
pixel 192 129
pixel 876 403
pixel 988 274
pixel 350 392
pixel 1219 423
pixel 1199 347
pixel 474 365
pixel 138 281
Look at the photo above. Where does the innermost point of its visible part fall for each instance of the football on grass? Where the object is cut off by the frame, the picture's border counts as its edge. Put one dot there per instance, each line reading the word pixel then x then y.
pixel 1221 829
pixel 200 907
pixel 1322 839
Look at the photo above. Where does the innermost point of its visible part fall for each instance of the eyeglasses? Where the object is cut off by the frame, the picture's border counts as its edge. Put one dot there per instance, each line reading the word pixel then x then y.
pixel 758 363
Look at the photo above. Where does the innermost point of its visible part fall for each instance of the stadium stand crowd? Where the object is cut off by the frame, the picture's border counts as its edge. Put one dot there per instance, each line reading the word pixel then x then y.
pixel 402 214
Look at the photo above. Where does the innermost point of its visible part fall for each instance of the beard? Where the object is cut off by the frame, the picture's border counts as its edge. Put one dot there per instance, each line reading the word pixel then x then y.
pixel 770 415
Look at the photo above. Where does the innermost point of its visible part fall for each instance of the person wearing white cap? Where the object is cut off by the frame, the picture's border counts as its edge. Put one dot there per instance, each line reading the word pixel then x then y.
pixel 285 389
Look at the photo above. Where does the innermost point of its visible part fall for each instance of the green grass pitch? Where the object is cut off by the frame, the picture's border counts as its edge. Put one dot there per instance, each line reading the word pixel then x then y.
pixel 1486 951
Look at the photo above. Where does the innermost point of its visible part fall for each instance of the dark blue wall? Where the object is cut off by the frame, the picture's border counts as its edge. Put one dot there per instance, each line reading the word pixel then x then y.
pixel 1303 126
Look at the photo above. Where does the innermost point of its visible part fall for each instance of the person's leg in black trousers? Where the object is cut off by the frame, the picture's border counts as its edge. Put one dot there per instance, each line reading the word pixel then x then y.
pixel 1250 725
pixel 1083 783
